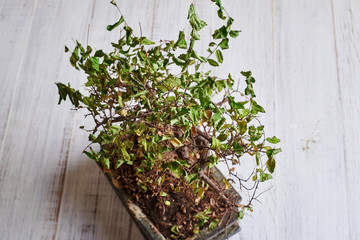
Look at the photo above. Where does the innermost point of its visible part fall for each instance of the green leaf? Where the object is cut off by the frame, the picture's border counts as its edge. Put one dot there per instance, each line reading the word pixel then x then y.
pixel 99 53
pixel 213 224
pixel 241 214
pixel 125 154
pixel 249 81
pixel 119 163
pixel 195 55
pixel 238 148
pixel 91 155
pixel 219 56
pixel 211 44
pixel 242 124
pixel 111 27
pixel 234 33
pixel 221 14
pixel 64 91
pixel 172 81
pixel 222 137
pixel 273 152
pixel 230 21
pixel 215 143
pixel 224 44
pixel 179 62
pixel 114 129
pixel 191 177
pixel 181 43
pixel 255 108
pixel 221 8
pixel 139 94
pixel 176 142
pixel 195 114
pixel 175 168
pixel 146 41
pixel 213 62
pixel 167 203
pixel 195 34
pixel 121 104
pixel 92 137
pixel 271 164
pixel 257 158
pixel 163 194
pixel 202 217
pixel 75 57
pixel 273 140
pixel 175 229
pixel 217 34
pixel 254 178
pixel 194 20
pixel 196 230
pixel 244 113
pixel 140 129
pixel 106 162
pixel 159 181
pixel 246 74
pixel 95 63
pixel 265 176
pixel 216 118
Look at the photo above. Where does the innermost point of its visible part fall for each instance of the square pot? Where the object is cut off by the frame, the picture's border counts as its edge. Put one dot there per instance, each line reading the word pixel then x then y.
pixel 149 230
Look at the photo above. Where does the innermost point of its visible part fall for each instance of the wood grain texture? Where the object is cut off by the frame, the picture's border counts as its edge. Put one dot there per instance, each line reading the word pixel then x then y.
pixel 347 41
pixel 16 19
pixel 304 55
pixel 35 146
pixel 310 179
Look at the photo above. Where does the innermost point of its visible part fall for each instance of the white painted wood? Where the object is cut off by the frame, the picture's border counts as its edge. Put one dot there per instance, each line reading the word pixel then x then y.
pixel 310 180
pixel 34 155
pixel 347 30
pixel 303 54
pixel 16 19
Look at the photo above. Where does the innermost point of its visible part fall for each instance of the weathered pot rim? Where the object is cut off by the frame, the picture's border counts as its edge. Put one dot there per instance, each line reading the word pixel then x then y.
pixel 149 230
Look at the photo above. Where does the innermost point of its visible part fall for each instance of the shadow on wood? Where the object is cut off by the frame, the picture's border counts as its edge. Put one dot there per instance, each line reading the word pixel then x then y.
pixel 90 209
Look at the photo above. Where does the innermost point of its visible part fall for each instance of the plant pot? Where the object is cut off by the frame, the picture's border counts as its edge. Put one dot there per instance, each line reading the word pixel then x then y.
pixel 151 232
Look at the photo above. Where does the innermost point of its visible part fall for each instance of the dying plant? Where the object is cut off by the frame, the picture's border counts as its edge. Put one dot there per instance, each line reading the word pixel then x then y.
pixel 156 119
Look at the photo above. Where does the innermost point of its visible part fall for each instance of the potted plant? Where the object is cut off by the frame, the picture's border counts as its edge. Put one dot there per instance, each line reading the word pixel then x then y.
pixel 161 133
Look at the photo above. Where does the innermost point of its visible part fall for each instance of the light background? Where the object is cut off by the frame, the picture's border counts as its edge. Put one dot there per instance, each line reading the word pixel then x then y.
pixel 304 55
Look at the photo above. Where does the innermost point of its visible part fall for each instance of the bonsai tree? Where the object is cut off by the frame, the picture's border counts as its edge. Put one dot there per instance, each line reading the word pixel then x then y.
pixel 160 130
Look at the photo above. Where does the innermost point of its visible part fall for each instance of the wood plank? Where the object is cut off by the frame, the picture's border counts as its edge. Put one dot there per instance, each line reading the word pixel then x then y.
pixel 310 180
pixel 36 146
pixel 346 27
pixel 169 17
pixel 14 29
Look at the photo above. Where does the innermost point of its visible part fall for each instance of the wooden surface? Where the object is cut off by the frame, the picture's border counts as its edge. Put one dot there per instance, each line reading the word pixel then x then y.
pixel 304 54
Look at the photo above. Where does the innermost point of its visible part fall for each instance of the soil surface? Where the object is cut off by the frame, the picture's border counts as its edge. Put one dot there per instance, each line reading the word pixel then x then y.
pixel 182 203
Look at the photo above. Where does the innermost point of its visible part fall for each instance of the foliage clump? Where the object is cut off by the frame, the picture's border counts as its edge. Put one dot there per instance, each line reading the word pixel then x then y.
pixel 152 107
